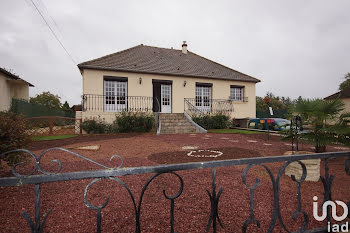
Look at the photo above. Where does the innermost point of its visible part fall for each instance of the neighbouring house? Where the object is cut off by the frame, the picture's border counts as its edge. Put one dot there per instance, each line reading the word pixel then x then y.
pixel 146 78
pixel 344 95
pixel 12 86
pixel 76 107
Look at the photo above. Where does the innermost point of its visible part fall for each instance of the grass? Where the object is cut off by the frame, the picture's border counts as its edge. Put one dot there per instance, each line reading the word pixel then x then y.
pixel 52 137
pixel 234 131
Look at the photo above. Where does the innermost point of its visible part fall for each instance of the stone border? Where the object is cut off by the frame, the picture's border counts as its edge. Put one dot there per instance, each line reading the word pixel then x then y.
pixel 218 153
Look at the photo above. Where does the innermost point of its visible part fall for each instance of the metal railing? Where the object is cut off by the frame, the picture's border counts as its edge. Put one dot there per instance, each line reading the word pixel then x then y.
pixel 244 99
pixel 108 103
pixel 191 110
pixel 115 174
pixel 211 106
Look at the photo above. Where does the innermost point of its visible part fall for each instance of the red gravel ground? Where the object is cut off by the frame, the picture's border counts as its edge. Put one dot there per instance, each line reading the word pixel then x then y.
pixel 192 208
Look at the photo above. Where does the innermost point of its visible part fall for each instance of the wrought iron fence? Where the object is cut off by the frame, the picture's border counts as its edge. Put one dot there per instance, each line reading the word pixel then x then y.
pixel 40 176
pixel 53 125
pixel 109 103
pixel 211 106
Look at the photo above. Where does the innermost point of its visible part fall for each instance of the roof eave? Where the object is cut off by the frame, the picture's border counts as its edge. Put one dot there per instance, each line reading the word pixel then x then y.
pixel 20 81
pixel 14 77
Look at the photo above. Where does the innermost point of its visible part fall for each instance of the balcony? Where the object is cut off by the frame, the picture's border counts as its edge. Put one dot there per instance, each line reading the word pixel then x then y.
pixel 108 103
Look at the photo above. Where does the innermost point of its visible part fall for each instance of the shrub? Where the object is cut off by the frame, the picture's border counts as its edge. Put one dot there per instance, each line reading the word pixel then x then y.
pixel 216 121
pixel 96 126
pixel 318 115
pixel 134 122
pixel 13 136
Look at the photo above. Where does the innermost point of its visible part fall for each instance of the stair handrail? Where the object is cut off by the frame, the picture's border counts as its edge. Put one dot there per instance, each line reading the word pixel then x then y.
pixel 190 108
pixel 159 123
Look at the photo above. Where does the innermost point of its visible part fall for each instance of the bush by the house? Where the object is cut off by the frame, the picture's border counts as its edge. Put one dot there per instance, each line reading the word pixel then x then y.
pixel 13 136
pixel 96 126
pixel 217 121
pixel 134 122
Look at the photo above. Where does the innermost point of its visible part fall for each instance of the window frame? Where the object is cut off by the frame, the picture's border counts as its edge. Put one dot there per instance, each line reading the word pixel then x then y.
pixel 237 93
pixel 115 92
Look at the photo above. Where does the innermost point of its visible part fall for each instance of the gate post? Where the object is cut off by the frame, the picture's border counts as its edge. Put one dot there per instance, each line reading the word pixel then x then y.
pixel 78 122
pixel 80 126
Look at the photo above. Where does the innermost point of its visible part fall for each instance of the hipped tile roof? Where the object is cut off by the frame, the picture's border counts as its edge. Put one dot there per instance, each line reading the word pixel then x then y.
pixel 154 60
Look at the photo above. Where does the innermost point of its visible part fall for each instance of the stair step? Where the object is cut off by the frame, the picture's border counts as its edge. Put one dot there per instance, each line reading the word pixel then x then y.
pixel 176 123
pixel 172 119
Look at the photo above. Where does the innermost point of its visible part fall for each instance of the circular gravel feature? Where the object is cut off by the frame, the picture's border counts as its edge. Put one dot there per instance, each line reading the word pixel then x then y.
pixel 182 156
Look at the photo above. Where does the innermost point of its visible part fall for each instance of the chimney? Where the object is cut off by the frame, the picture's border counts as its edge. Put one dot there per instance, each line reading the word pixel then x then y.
pixel 184 48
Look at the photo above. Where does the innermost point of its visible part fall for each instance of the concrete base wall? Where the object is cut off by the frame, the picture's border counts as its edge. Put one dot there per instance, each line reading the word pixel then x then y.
pixel 108 117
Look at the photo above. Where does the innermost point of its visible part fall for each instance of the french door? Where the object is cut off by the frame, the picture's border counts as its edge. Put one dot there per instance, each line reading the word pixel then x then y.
pixel 115 93
pixel 165 98
pixel 203 98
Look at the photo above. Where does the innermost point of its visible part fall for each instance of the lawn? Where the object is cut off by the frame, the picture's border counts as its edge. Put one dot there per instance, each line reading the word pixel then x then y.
pixel 52 137
pixel 234 131
pixel 192 208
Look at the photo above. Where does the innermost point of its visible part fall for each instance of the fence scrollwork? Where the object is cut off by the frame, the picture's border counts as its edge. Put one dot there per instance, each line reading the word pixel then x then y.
pixel 38 175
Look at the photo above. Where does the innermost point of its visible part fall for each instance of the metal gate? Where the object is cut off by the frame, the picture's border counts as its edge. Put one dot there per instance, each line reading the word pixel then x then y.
pixel 40 176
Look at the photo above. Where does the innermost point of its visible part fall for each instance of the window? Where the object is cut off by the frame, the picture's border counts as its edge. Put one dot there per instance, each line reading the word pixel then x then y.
pixel 120 92
pixel 110 92
pixel 203 97
pixel 165 94
pixel 237 93
pixel 115 92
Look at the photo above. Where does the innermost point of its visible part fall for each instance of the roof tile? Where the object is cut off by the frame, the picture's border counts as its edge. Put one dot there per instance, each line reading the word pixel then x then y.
pixel 154 60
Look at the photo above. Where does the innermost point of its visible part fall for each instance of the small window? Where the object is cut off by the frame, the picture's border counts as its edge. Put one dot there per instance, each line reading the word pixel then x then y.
pixel 236 93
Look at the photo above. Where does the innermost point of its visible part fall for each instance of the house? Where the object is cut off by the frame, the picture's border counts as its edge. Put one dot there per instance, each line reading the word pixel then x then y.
pixel 12 86
pixel 76 107
pixel 146 78
pixel 344 95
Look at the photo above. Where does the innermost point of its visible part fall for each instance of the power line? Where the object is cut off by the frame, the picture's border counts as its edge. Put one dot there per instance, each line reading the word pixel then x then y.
pixel 48 13
pixel 54 34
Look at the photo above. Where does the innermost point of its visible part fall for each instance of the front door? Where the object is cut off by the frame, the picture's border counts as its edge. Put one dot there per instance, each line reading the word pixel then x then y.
pixel 203 98
pixel 165 98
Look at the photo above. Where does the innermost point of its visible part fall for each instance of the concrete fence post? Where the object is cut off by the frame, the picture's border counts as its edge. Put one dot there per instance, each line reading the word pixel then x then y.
pixel 78 122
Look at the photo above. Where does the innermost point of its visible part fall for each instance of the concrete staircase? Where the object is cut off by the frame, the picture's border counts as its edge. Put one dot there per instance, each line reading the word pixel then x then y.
pixel 176 123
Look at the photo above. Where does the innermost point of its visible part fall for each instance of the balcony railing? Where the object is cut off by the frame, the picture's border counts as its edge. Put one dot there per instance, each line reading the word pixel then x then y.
pixel 39 175
pixel 108 103
pixel 209 106
pixel 244 99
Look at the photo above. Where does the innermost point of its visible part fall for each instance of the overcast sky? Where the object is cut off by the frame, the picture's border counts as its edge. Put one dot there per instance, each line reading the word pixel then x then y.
pixel 294 47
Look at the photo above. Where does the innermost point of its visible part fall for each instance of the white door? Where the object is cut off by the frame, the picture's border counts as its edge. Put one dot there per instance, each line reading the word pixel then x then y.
pixel 165 97
pixel 115 96
pixel 203 98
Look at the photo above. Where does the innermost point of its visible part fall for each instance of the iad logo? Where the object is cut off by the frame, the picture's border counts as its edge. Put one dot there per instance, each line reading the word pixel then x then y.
pixel 334 227
pixel 334 210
